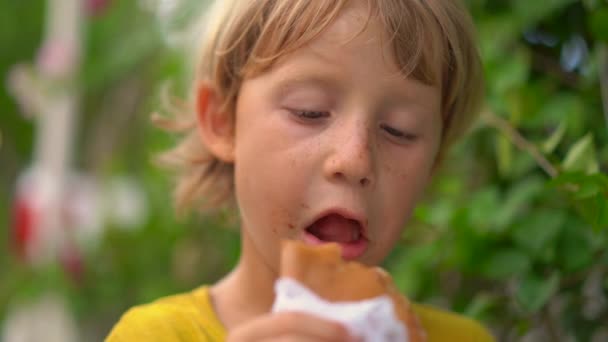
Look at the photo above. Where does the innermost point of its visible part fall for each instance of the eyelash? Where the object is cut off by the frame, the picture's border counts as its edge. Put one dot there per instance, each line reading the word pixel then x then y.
pixel 397 133
pixel 306 115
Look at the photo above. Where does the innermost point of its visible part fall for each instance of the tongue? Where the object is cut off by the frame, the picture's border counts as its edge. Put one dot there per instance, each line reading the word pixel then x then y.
pixel 336 228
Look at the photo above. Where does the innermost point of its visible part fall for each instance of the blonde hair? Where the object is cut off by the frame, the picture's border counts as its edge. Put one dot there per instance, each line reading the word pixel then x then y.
pixel 432 41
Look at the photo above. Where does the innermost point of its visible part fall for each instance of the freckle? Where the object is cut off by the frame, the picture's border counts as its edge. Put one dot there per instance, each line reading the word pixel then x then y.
pixel 291 226
pixel 305 206
pixel 389 168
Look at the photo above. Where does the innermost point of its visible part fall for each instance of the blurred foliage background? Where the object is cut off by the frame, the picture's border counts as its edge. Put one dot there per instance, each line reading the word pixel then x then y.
pixel 513 232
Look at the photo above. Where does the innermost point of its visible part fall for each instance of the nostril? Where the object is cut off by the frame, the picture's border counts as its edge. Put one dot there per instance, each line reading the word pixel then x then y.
pixel 364 181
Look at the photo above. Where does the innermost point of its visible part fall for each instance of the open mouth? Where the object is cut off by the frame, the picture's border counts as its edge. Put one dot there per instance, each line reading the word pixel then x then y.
pixel 348 233
pixel 336 228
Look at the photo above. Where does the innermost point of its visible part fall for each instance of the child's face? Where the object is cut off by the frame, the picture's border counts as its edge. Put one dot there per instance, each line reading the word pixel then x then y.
pixel 333 128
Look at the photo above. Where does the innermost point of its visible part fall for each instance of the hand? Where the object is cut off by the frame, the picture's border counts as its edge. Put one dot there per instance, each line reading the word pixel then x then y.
pixel 290 326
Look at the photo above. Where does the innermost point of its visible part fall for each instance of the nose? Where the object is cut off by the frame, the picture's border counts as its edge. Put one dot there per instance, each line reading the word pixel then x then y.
pixel 352 156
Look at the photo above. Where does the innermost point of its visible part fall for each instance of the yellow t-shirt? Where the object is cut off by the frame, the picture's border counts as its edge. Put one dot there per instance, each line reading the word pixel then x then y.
pixel 190 317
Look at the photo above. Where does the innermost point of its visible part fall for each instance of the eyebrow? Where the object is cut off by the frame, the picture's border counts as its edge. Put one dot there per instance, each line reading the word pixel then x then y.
pixel 412 95
pixel 289 84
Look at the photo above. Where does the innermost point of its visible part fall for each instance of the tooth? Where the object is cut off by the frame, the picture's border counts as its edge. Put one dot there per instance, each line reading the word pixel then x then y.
pixel 355 235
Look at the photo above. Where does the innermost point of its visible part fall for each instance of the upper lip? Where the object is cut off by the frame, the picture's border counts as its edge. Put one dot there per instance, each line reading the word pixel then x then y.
pixel 346 213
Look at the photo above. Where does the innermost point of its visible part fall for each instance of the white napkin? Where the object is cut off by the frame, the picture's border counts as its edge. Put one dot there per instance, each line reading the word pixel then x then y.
pixel 372 320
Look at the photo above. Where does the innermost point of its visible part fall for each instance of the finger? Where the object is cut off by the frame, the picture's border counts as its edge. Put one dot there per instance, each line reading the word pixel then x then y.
pixel 307 325
pixel 290 324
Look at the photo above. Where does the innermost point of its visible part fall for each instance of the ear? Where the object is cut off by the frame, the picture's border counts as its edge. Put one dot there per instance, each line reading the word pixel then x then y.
pixel 216 127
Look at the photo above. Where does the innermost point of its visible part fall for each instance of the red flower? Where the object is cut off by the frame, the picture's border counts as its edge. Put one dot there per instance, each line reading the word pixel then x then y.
pixel 25 219
pixel 96 7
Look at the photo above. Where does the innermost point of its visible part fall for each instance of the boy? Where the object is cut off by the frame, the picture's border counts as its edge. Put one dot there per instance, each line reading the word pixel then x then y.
pixel 321 120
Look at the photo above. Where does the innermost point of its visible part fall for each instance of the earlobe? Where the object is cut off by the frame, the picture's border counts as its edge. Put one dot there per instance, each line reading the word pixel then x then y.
pixel 214 126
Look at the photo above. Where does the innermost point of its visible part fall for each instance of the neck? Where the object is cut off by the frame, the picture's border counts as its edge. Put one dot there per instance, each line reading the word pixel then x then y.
pixel 246 292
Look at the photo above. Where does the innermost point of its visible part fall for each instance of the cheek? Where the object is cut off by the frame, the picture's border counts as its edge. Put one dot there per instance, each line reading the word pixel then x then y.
pixel 260 202
pixel 412 172
pixel 267 188
pixel 404 185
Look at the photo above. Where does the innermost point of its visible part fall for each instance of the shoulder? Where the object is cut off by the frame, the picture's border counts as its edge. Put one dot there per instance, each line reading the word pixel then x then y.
pixel 182 317
pixel 442 325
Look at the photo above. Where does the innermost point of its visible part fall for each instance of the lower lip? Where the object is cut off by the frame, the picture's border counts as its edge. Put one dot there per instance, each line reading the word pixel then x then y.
pixel 350 250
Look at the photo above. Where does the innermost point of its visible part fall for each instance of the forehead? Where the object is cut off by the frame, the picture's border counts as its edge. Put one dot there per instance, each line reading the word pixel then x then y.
pixel 355 33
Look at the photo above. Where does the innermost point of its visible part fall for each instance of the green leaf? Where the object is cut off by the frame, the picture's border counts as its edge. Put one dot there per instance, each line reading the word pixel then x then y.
pixel 480 304
pixel 495 32
pixel 588 194
pixel 534 292
pixel 482 208
pixel 575 246
pixel 594 211
pixel 539 230
pixel 440 213
pixel 587 190
pixel 591 5
pixel 511 72
pixel 504 155
pixel 563 108
pixel 506 263
pixel 556 137
pixel 598 24
pixel 580 181
pixel 519 196
pixel 581 156
pixel 407 266
pixel 602 215
pixel 531 11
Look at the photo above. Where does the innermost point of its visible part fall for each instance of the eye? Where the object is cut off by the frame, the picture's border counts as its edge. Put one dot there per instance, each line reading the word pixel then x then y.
pixel 397 133
pixel 309 114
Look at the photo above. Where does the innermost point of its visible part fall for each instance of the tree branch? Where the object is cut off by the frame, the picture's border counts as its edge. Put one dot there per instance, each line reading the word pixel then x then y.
pixel 519 140
pixel 550 325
